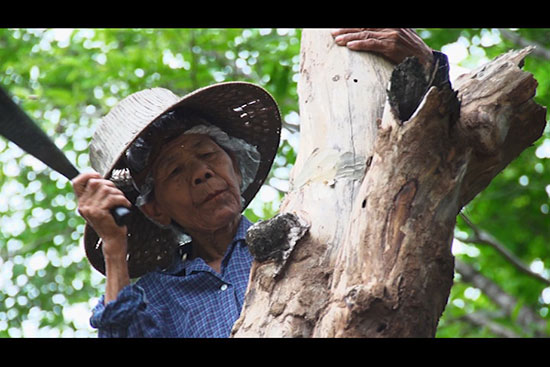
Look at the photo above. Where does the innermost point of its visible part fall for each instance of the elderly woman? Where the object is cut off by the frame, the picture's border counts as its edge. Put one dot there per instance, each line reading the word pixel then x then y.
pixel 192 180
pixel 187 167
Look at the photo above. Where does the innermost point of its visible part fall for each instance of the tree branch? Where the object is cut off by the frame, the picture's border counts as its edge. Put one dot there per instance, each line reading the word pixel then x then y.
pixel 526 317
pixel 483 237
pixel 539 50
pixel 482 319
pixel 498 118
pixel 32 247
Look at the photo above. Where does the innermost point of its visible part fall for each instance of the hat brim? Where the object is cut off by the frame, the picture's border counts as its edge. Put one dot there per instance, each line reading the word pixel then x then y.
pixel 242 110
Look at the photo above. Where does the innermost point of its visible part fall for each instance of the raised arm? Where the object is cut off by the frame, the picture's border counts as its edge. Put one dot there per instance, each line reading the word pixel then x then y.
pixel 96 196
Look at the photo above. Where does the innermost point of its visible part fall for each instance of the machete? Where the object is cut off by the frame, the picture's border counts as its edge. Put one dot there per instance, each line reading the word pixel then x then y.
pixel 18 127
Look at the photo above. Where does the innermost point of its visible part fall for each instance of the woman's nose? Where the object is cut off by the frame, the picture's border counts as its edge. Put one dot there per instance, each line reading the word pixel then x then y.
pixel 202 175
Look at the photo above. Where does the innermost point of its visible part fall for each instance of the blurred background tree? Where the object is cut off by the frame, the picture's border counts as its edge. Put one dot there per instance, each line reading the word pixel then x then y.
pixel 66 79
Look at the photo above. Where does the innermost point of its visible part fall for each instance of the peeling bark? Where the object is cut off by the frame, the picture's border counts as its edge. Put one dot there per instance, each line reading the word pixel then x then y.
pixel 381 189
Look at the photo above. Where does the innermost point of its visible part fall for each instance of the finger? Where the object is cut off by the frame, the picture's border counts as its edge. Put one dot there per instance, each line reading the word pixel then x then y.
pixel 80 182
pixel 344 38
pixel 115 200
pixel 340 31
pixel 96 183
pixel 363 35
pixel 97 194
pixel 98 210
pixel 373 45
pixel 103 191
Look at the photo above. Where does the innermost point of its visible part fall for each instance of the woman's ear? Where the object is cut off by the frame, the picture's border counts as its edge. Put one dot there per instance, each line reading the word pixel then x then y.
pixel 154 212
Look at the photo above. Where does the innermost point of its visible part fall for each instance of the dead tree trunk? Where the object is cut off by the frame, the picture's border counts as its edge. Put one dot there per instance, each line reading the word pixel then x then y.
pixel 381 192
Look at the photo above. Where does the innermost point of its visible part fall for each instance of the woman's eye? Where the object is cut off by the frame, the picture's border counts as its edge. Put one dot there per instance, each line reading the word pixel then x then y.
pixel 176 170
pixel 207 155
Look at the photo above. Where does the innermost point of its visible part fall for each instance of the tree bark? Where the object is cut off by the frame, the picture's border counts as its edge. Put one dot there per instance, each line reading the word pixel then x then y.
pixel 380 192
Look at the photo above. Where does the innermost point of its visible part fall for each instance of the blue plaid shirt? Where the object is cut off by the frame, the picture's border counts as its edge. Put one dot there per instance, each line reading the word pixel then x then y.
pixel 189 299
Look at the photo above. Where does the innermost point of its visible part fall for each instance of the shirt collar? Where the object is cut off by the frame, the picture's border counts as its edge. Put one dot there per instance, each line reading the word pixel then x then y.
pixel 241 230
pixel 180 263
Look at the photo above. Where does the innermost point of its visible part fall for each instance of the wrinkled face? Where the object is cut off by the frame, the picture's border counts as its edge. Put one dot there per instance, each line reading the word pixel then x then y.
pixel 196 184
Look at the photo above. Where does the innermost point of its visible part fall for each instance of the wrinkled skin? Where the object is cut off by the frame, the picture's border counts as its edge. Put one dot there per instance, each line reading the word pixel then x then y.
pixel 196 185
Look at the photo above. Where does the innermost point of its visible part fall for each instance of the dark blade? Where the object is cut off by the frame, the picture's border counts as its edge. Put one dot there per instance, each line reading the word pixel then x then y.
pixel 17 127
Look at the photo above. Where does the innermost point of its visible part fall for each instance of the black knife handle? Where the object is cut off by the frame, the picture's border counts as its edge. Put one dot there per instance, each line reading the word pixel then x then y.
pixel 121 215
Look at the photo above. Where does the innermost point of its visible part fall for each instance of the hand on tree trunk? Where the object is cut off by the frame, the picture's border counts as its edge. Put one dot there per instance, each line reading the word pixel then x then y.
pixel 395 44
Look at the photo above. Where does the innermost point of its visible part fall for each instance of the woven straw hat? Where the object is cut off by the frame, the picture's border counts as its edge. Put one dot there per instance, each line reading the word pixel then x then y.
pixel 242 110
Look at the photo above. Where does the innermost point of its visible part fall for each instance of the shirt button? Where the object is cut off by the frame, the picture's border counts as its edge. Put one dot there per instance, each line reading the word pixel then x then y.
pixel 223 287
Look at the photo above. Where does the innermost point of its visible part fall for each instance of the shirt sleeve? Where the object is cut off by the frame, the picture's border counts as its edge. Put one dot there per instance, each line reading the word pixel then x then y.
pixel 441 61
pixel 127 316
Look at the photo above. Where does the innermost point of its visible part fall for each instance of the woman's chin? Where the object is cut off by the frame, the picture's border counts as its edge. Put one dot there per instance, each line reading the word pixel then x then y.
pixel 219 218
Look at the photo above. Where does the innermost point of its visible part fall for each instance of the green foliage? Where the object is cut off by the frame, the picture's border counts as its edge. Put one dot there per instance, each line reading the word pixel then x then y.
pixel 67 79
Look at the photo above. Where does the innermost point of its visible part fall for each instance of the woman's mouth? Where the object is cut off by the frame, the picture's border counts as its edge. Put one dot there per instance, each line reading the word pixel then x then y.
pixel 213 195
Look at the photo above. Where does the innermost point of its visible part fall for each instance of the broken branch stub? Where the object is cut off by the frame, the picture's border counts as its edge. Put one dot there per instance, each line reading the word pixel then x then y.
pixel 499 118
pixel 275 239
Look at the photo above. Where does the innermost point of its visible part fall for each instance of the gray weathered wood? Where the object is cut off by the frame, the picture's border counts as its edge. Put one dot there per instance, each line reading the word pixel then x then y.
pixel 382 195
